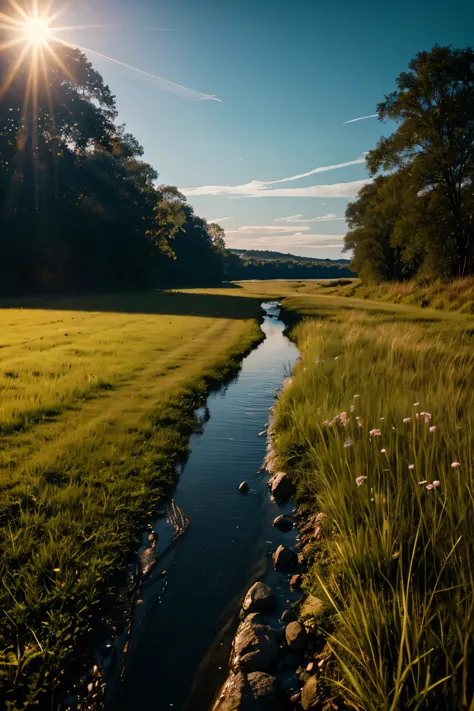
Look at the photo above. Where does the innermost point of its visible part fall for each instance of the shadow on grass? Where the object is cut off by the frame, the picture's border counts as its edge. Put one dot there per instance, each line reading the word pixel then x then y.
pixel 149 302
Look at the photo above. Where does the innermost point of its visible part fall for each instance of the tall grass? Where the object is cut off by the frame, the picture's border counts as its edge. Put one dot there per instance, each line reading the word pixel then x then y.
pixel 398 573
pixel 457 295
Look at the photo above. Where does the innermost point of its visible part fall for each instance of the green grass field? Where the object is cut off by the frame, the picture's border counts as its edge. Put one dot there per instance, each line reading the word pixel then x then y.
pixel 377 430
pixel 97 405
pixel 96 408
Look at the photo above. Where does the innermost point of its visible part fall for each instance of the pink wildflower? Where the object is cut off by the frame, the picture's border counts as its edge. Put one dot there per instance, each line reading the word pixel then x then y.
pixel 337 357
pixel 436 483
pixel 359 421
pixel 411 466
pixel 382 419
pixel 429 487
pixel 455 465
pixel 433 428
pixel 383 451
pixel 375 433
pixel 427 418
pixel 343 419
pixel 361 480
pixel 407 419
pixel 348 442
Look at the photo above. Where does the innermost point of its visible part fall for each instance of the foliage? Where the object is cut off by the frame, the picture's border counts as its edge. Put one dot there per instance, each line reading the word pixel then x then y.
pixel 418 219
pixel 263 264
pixel 78 205
pixel 385 401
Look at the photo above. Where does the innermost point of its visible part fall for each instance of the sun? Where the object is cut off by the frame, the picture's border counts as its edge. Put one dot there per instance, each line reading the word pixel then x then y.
pixel 36 31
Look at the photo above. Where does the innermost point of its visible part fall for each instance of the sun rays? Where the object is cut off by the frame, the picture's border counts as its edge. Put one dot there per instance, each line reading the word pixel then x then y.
pixel 33 39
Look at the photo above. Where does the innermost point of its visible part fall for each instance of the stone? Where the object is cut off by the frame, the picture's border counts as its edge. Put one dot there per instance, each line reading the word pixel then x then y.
pixel 288 615
pixel 245 693
pixel 281 486
pixel 312 607
pixel 284 559
pixel 263 689
pixel 310 700
pixel 260 598
pixel 283 522
pixel 231 697
pixel 310 666
pixel 295 581
pixel 294 698
pixel 255 645
pixel 295 636
pixel 243 487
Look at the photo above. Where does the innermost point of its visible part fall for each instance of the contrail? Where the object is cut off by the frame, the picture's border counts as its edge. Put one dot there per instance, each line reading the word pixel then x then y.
pixel 361 118
pixel 168 85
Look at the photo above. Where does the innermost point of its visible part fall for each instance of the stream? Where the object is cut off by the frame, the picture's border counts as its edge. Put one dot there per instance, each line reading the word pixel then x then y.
pixel 188 609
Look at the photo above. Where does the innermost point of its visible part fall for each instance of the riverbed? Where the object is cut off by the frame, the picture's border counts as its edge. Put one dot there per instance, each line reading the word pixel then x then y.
pixel 188 608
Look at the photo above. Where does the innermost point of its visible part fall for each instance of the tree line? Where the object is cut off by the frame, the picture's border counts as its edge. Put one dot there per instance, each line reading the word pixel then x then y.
pixel 242 264
pixel 79 207
pixel 416 219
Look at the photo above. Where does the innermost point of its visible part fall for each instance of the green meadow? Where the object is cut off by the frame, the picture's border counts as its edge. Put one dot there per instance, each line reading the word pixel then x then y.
pixel 97 400
pixel 376 428
pixel 98 395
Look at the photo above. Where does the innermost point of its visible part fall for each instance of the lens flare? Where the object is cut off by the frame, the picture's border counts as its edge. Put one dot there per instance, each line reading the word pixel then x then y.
pixel 37 31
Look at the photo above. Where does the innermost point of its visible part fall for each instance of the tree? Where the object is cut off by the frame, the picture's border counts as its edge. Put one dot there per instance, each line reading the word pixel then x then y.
pixel 169 218
pixel 388 232
pixel 434 144
pixel 78 205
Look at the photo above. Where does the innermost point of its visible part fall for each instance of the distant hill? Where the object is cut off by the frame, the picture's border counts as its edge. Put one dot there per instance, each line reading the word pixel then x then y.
pixel 267 255
pixel 266 264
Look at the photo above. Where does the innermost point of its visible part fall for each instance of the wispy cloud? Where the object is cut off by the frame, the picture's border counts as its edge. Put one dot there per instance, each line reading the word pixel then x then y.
pixel 220 219
pixel 286 243
pixel 299 218
pixel 263 229
pixel 259 188
pixel 361 118
pixel 256 189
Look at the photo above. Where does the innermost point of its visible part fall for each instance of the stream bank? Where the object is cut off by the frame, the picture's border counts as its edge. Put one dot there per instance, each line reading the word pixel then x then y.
pixel 188 607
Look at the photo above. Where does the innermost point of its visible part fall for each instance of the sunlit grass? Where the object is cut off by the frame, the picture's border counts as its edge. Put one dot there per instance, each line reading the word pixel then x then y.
pixel 455 296
pixel 398 572
pixel 96 409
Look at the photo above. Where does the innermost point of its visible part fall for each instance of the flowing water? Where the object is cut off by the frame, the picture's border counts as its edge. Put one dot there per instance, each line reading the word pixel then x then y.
pixel 182 628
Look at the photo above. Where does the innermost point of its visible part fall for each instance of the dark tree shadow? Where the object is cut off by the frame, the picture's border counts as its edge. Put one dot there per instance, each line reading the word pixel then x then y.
pixel 149 302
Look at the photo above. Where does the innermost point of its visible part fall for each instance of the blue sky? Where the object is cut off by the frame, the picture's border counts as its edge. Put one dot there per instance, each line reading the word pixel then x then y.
pixel 288 75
